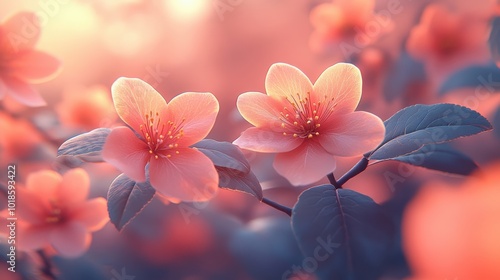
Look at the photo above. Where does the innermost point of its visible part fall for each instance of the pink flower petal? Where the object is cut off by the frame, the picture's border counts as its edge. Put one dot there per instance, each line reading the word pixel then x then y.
pixel 74 187
pixel 31 208
pixel 70 239
pixel 20 33
pixel 3 89
pixel 195 113
pixel 326 18
pixel 34 237
pixel 167 200
pixel 286 81
pixel 306 164
pixel 23 92
pixel 33 66
pixel 266 141
pixel 342 83
pixel 356 10
pixel 419 43
pixel 44 184
pixel 127 153
pixel 35 200
pixel 188 176
pixel 134 99
pixel 353 134
pixel 93 214
pixel 260 109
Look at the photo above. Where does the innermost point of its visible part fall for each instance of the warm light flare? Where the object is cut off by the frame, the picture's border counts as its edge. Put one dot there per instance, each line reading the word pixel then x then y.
pixel 187 10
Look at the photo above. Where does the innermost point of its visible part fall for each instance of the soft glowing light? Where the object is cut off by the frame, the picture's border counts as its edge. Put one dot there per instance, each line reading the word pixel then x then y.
pixel 187 10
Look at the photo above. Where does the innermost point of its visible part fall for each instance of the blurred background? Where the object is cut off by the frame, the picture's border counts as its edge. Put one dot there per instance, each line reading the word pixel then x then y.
pixel 409 52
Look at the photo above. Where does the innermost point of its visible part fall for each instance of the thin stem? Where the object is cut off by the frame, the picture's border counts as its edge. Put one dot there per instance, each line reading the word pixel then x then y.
pixel 333 181
pixel 277 206
pixel 47 265
pixel 358 168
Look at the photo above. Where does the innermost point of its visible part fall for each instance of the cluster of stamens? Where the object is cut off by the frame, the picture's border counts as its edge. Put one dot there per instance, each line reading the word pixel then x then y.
pixel 303 119
pixel 160 135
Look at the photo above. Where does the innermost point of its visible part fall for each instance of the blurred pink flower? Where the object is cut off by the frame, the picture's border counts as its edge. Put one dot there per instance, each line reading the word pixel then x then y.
pixel 87 108
pixel 20 64
pixel 341 20
pixel 308 125
pixel 453 230
pixel 53 210
pixel 18 139
pixel 447 40
pixel 160 134
pixel 478 9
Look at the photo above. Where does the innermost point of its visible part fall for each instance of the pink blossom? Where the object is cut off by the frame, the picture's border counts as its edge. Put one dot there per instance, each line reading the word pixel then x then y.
pixel 447 40
pixel 20 64
pixel 340 21
pixel 159 134
pixel 54 210
pixel 18 139
pixel 88 108
pixel 440 222
pixel 308 125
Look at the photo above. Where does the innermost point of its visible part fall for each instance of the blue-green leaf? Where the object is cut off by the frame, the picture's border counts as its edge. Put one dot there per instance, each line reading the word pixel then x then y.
pixel 86 146
pixel 415 126
pixel 345 233
pixel 224 154
pixel 496 123
pixel 237 181
pixel 494 40
pixel 484 77
pixel 440 157
pixel 126 199
pixel 232 166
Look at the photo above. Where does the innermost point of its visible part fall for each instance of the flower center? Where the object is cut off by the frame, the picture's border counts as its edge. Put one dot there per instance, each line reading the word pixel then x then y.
pixel 55 213
pixel 447 44
pixel 348 29
pixel 160 135
pixel 303 119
